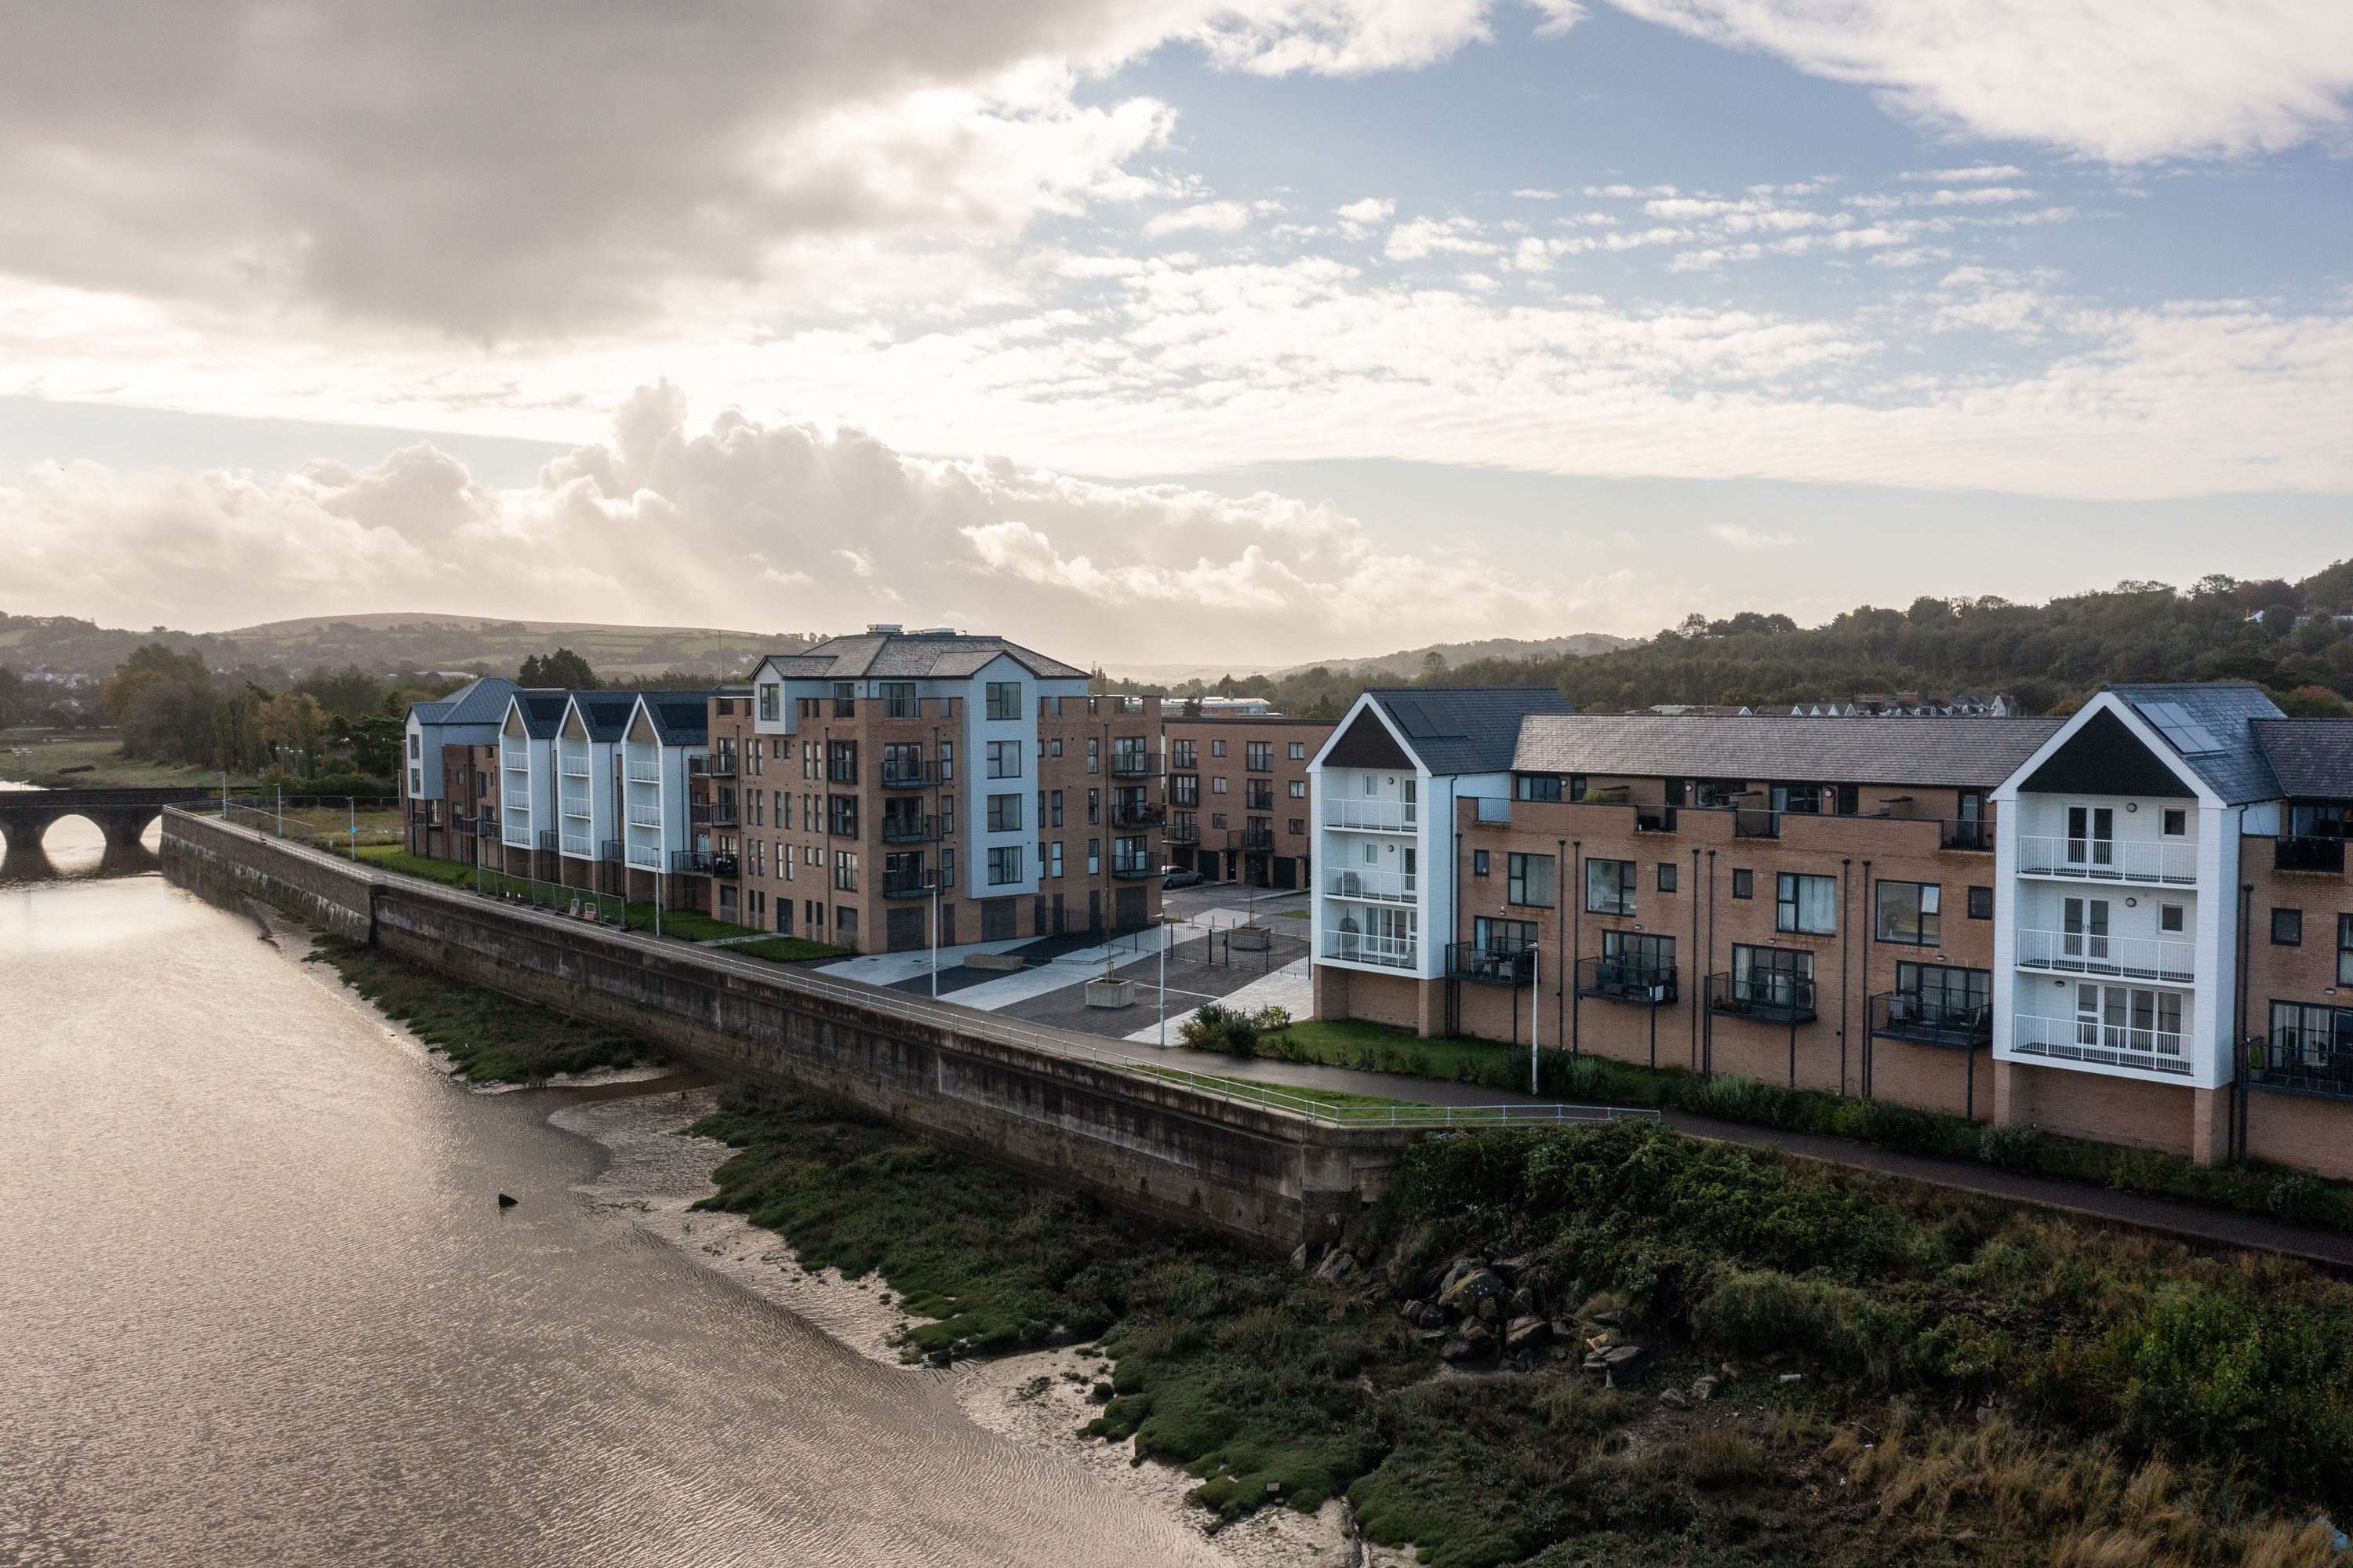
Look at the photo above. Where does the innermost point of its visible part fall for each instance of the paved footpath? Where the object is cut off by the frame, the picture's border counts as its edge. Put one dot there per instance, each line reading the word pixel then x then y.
pixel 2190 1223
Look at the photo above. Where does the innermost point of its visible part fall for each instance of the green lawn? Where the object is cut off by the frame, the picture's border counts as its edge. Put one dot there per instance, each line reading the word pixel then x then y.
pixel 1330 1099
pixel 791 949
pixel 50 751
pixel 1370 1048
pixel 686 925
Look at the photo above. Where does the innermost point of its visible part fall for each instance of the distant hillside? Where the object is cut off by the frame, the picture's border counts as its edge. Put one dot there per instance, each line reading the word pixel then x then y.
pixel 1414 661
pixel 385 644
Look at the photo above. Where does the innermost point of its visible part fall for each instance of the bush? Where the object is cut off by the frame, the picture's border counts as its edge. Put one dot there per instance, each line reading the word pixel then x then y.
pixel 2012 1147
pixel 360 784
pixel 1216 1027
pixel 1758 1312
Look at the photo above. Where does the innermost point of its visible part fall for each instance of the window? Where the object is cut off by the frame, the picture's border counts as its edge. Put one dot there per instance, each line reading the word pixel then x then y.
pixel 417 781
pixel 1908 913
pixel 2312 1038
pixel 1004 864
pixel 1806 904
pixel 947 868
pixel 1004 813
pixel 1054 747
pixel 1610 886
pixel 1094 754
pixel 1849 802
pixel 2287 927
pixel 1492 935
pixel 416 747
pixel 841 765
pixel 1005 703
pixel 1934 996
pixel 1666 876
pixel 1298 751
pixel 1094 857
pixel 1094 808
pixel 1299 789
pixel 1185 788
pixel 903 763
pixel 1743 884
pixel 1054 858
pixel 1260 755
pixel 1217 786
pixel 1054 809
pixel 1182 753
pixel 1980 903
pixel 1535 787
pixel 2176 822
pixel 1630 958
pixel 1529 879
pixel 2091 835
pixel 784 859
pixel 2169 918
pixel 1004 758
pixel 811 767
pixel 898 699
pixel 1259 794
pixel 947 760
pixel 845 871
pixel 1773 977
pixel 2345 949
pixel 845 699
pixel 1217 748
pixel 1478 863
pixel 1131 855
pixel 845 816
pixel 1298 825
pixel 771 704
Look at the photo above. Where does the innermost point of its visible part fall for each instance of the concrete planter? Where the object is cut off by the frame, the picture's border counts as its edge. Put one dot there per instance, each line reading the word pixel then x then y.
pixel 1111 993
pixel 1252 938
pixel 1006 962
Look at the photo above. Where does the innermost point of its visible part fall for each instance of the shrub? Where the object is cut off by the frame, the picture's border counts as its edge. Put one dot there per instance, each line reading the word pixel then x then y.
pixel 2012 1147
pixel 1758 1312
pixel 1216 1027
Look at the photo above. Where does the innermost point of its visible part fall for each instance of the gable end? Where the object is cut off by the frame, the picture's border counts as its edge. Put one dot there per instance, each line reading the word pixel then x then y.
pixel 2105 758
pixel 1368 744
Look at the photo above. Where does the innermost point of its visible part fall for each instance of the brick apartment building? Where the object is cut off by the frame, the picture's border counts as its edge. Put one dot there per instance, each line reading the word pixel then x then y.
pixel 854 782
pixel 1237 797
pixel 450 773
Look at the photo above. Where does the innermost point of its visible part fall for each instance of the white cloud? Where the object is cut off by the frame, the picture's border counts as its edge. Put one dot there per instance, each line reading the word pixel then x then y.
pixel 1424 235
pixel 2115 79
pixel 1976 172
pixel 1218 216
pixel 1372 209
pixel 1340 37
pixel 1741 538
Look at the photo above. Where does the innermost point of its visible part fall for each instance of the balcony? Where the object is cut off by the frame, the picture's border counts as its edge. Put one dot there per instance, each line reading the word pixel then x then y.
pixel 1762 996
pixel 1260 840
pixel 705 815
pixel 576 767
pixel 575 806
pixel 1513 965
pixel 1143 814
pixel 1131 869
pixel 700 862
pixel 1185 832
pixel 899 829
pixel 1654 819
pixel 1967 835
pixel 577 845
pixel 608 849
pixel 547 839
pixel 909 884
pixel 651 859
pixel 720 766
pixel 489 818
pixel 1624 980
pixel 645 772
pixel 520 762
pixel 518 835
pixel 1918 1021
pixel 909 775
pixel 2107 859
pixel 2309 855
pixel 1388 952
pixel 2109 1044
pixel 2087 953
pixel 2320 1068
pixel 645 817
pixel 1136 765
pixel 1365 813
pixel 1374 886
pixel 1756 823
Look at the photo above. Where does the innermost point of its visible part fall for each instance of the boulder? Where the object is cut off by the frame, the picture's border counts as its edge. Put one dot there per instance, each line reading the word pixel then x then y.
pixel 1454 1274
pixel 1704 1389
pixel 1524 1303
pixel 1479 1337
pixel 1528 1333
pixel 1489 1311
pixel 1337 1267
pixel 1432 1317
pixel 1455 1351
pixel 1468 1291
pixel 1621 1366
pixel 1412 1312
pixel 1673 1400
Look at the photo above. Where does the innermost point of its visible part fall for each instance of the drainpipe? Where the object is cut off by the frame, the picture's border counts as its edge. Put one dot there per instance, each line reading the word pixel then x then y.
pixel 2239 1028
pixel 1707 1041
pixel 1869 1050
pixel 1577 851
pixel 1697 1005
pixel 1846 941
pixel 1563 981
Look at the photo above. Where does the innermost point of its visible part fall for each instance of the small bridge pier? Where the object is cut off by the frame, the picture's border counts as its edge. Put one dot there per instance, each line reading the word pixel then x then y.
pixel 122 815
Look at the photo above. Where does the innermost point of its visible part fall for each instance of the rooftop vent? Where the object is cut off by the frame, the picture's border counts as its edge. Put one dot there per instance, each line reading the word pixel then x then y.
pixel 883 630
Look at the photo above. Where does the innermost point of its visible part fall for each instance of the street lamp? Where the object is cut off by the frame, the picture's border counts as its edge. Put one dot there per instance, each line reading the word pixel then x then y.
pixel 933 877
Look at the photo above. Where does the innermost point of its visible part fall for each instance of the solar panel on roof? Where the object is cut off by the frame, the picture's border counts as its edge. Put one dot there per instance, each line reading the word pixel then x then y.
pixel 1417 723
pixel 2173 721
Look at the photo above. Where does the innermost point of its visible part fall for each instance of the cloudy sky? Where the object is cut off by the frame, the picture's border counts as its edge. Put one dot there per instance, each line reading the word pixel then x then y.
pixel 1168 331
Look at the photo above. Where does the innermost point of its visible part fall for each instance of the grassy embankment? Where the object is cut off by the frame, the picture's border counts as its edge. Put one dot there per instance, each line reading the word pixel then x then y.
pixel 2284 1194
pixel 1973 1383
pixel 100 751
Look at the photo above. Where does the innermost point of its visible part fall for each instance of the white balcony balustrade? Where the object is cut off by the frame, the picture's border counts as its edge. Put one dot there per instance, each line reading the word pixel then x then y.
pixel 645 817
pixel 1372 814
pixel 518 763
pixel 1355 948
pixel 576 844
pixel 645 772
pixel 1374 887
pixel 2108 859
pixel 2087 953
pixel 518 834
pixel 575 768
pixel 648 858
pixel 575 805
pixel 2109 1044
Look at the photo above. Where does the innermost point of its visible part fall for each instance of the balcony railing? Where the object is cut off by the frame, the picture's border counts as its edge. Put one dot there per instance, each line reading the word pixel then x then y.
pixel 575 768
pixel 1184 832
pixel 645 817
pixel 909 884
pixel 1511 964
pixel 1654 819
pixel 648 858
pixel 1765 996
pixel 1756 823
pixel 704 814
pixel 518 835
pixel 645 772
pixel 575 806
pixel 1970 834
pixel 608 849
pixel 2309 855
pixel 689 862
pixel 722 767
pixel 1257 839
pixel 909 829
pixel 1133 868
pixel 1625 980
pixel 1136 765
pixel 1355 947
pixel 2107 859
pixel 1379 887
pixel 518 762
pixel 1147 814
pixel 547 839
pixel 909 775
pixel 2300 1069
pixel 577 845
pixel 2109 1044
pixel 1921 1020
pixel 489 819
pixel 1370 814
pixel 2085 953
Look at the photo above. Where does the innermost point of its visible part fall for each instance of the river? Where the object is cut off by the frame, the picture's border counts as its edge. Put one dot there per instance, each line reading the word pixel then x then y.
pixel 259 1304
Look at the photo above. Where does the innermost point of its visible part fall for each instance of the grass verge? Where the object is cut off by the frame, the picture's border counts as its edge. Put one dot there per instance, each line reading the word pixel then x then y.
pixel 791 949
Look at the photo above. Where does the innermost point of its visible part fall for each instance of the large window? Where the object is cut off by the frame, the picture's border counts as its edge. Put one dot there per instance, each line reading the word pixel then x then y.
pixel 1131 855
pixel 1610 886
pixel 1005 759
pixel 1530 881
pixel 1258 755
pixel 1635 957
pixel 1772 977
pixel 1184 753
pixel 1535 787
pixel 1004 864
pixel 1005 701
pixel 771 704
pixel 1185 788
pixel 1258 794
pixel 1004 813
pixel 1911 913
pixel 903 763
pixel 1492 935
pixel 898 699
pixel 845 816
pixel 845 871
pixel 2311 1037
pixel 841 762
pixel 1940 996
pixel 1806 904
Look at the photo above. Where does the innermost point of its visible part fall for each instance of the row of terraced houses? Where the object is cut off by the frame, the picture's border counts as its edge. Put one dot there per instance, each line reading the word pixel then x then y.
pixel 2132 924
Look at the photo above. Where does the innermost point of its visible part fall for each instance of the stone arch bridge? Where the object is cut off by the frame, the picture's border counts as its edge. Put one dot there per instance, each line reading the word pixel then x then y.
pixel 121 814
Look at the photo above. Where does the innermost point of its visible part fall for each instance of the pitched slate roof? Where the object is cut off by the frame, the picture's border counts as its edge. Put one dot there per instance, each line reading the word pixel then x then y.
pixel 2311 757
pixel 605 715
pixel 2235 768
pixel 1961 753
pixel 915 656
pixel 482 700
pixel 680 718
pixel 1465 729
pixel 541 710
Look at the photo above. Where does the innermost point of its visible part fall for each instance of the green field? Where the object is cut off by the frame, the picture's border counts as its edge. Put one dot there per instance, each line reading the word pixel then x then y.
pixel 42 755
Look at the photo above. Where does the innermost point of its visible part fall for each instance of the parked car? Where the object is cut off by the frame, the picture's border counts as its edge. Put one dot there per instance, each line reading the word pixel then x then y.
pixel 1178 876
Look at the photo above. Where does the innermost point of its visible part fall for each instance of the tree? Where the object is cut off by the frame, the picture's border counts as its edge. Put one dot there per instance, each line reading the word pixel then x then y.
pixel 563 669
pixel 163 703
pixel 1433 664
pixel 294 724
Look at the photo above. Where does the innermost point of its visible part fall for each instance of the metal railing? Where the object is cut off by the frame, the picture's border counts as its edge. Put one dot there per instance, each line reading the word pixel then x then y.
pixel 1186 832
pixel 703 814
pixel 1136 764
pixel 1258 839
pixel 2109 1044
pixel 608 849
pixel 649 858
pixel 2308 854
pixel 2107 859
pixel 1389 952
pixel 1374 887
pixel 1371 813
pixel 1655 819
pixel 645 772
pixel 712 766
pixel 1765 996
pixel 1626 979
pixel 2300 1067
pixel 1512 964
pixel 1130 868
pixel 689 862
pixel 1970 834
pixel 575 768
pixel 2089 953
pixel 1149 814
pixel 1923 1021
pixel 575 805
pixel 645 817
pixel 897 828
pixel 547 839
pixel 577 845
pixel 1756 823
pixel 518 835
pixel 909 775
pixel 909 884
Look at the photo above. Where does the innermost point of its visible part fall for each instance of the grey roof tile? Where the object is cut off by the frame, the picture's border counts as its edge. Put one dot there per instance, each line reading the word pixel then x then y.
pixel 1961 753
pixel 914 657
pixel 2312 758
pixel 1465 729
pixel 2237 771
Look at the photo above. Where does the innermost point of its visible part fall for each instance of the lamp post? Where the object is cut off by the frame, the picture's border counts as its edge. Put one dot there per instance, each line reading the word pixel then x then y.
pixel 1535 1013
pixel 933 878
pixel 1164 985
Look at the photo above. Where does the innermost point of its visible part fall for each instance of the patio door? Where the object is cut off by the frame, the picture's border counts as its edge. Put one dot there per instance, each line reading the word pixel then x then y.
pixel 2085 937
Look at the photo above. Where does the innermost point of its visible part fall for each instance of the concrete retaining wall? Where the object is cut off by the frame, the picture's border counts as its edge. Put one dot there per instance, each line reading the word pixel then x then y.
pixel 1154 1147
